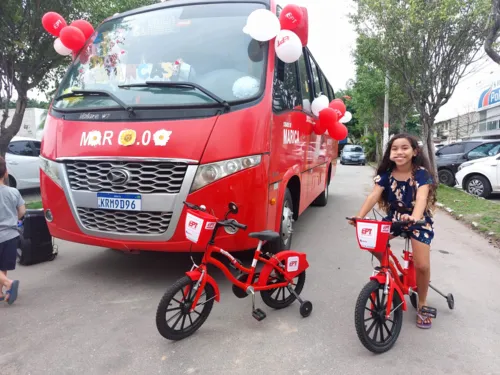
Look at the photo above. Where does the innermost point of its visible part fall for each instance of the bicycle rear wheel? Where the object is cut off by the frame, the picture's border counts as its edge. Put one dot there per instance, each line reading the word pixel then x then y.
pixel 376 333
pixel 174 320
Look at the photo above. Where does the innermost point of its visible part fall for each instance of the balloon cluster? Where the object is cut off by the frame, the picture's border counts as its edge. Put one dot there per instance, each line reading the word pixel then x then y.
pixel 69 38
pixel 290 30
pixel 332 117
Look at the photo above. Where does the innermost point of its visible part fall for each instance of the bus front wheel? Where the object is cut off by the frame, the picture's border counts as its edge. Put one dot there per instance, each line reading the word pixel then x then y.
pixel 286 226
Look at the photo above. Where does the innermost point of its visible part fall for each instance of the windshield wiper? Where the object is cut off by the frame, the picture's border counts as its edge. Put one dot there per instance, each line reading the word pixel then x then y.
pixel 76 93
pixel 180 85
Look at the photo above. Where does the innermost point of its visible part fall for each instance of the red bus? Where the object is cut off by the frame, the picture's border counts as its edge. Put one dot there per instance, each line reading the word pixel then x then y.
pixel 174 102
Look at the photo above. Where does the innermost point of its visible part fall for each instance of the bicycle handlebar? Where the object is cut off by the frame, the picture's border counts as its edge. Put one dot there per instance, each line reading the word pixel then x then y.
pixel 399 222
pixel 232 223
pixel 223 223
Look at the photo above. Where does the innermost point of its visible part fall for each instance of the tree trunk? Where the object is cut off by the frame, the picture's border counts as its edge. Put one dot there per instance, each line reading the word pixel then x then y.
pixel 493 32
pixel 11 130
pixel 428 143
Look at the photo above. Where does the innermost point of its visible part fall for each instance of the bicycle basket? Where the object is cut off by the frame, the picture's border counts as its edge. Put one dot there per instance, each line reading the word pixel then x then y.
pixel 199 226
pixel 373 235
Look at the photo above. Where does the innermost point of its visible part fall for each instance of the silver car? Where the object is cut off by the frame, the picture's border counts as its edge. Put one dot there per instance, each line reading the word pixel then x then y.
pixel 353 154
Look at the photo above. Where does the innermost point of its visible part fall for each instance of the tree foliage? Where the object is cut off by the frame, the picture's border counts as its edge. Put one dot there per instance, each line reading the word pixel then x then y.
pixel 27 56
pixel 368 91
pixel 426 45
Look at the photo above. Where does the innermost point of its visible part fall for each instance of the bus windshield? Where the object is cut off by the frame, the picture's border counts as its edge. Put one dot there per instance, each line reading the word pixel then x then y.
pixel 202 44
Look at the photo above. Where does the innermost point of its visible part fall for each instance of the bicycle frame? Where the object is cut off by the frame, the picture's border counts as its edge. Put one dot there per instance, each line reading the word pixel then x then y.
pixel 200 273
pixel 387 272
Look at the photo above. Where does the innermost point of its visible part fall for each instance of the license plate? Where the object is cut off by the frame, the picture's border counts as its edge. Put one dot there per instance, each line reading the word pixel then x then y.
pixel 123 202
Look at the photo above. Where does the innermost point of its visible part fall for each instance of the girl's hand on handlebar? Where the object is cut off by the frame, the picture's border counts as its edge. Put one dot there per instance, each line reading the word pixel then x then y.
pixel 352 222
pixel 409 218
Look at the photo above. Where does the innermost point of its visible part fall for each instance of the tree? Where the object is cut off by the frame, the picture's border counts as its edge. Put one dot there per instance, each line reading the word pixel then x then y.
pixel 27 56
pixel 494 32
pixel 426 45
pixel 368 101
pixel 355 129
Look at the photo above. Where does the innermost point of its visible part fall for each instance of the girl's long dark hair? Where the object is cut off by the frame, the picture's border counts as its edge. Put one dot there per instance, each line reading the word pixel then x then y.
pixel 418 161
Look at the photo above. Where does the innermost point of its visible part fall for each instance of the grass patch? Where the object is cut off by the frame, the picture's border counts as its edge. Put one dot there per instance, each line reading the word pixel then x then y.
pixel 34 205
pixel 471 209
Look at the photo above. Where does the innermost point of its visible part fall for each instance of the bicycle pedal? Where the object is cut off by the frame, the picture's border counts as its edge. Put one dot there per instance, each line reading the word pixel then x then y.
pixel 431 311
pixel 259 314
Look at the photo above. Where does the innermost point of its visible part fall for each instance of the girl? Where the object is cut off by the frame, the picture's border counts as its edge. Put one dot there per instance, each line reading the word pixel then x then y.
pixel 403 179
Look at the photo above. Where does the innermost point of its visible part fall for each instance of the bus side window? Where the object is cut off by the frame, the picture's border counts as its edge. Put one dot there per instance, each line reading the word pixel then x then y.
pixel 305 83
pixel 324 84
pixel 314 71
pixel 286 93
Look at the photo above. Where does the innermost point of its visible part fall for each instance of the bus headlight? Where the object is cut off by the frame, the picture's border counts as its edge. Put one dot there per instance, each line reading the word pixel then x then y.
pixel 51 169
pixel 208 173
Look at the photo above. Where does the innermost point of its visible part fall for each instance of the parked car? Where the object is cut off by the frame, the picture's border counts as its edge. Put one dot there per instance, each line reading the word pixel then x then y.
pixel 480 177
pixel 449 157
pixel 23 164
pixel 353 154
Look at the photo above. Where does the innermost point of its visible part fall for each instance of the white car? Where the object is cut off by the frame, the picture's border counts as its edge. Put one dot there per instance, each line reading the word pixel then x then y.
pixel 480 177
pixel 23 164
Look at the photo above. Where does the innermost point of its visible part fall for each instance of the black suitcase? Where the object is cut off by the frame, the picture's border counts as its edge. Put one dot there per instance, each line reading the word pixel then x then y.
pixel 35 242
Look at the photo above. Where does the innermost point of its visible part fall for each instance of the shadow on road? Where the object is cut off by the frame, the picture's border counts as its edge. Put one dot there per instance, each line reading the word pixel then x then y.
pixel 113 268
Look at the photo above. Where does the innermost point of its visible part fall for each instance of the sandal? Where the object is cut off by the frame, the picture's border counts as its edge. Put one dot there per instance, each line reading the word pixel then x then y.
pixel 425 320
pixel 12 292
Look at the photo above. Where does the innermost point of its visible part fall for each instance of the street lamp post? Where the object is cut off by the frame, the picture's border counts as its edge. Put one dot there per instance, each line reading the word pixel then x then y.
pixel 386 113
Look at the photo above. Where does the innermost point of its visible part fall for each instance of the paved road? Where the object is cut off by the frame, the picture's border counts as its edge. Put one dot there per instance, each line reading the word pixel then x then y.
pixel 92 310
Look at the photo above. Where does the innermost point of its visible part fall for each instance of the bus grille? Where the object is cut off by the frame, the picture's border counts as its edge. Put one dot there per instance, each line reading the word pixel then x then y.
pixel 126 222
pixel 146 177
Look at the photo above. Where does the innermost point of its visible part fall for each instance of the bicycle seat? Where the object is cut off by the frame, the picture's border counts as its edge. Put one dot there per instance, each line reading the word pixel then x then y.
pixel 265 235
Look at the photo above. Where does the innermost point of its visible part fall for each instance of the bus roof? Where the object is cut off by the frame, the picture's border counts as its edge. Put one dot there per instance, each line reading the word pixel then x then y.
pixel 169 3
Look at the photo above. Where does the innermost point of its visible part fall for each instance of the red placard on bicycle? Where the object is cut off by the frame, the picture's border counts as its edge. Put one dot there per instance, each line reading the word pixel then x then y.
pixel 373 235
pixel 199 226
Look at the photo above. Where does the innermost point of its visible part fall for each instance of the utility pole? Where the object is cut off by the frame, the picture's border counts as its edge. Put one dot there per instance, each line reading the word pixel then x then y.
pixel 386 113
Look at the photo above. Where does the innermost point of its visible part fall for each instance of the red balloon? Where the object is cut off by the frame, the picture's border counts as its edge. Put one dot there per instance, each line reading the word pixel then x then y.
pixel 72 38
pixel 303 29
pixel 85 26
pixel 338 131
pixel 53 23
pixel 328 116
pixel 339 107
pixel 291 17
pixel 319 127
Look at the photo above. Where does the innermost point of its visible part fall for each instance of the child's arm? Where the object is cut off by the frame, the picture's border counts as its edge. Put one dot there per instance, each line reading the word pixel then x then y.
pixel 371 201
pixel 21 211
pixel 20 204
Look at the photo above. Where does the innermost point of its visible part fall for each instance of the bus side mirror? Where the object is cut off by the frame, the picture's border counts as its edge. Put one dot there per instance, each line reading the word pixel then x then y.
pixel 233 208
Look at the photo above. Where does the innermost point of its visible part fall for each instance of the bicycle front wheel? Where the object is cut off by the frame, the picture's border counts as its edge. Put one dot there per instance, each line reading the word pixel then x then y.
pixel 377 333
pixel 174 320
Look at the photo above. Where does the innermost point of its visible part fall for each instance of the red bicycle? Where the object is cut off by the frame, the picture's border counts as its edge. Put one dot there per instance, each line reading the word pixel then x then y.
pixel 380 305
pixel 187 303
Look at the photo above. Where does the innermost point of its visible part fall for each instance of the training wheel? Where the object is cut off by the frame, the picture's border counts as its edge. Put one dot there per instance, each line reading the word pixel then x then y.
pixel 451 301
pixel 306 308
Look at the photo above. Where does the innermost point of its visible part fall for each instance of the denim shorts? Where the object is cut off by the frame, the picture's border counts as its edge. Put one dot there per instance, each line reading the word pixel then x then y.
pixel 8 254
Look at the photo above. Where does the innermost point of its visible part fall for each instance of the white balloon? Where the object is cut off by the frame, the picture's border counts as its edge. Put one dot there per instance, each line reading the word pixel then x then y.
pixel 246 87
pixel 60 48
pixel 262 25
pixel 320 103
pixel 288 46
pixel 346 118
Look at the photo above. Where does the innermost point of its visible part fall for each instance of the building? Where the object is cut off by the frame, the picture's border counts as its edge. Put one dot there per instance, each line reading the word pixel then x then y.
pixel 32 125
pixel 488 109
pixel 456 128
pixel 473 111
